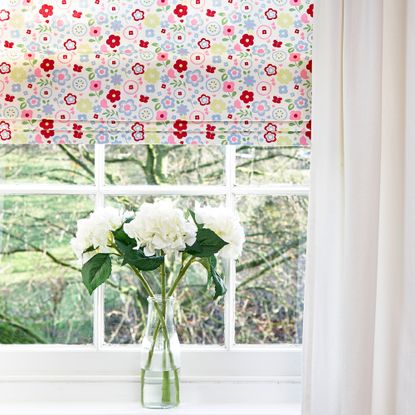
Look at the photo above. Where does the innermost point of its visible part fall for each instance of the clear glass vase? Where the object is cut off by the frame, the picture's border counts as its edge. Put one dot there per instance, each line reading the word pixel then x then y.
pixel 160 359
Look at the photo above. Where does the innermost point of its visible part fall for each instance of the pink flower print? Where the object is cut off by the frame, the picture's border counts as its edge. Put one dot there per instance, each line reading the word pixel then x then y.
pixel 161 115
pixel 295 2
pixel 95 85
pixel 162 56
pixel 295 57
pixel 228 30
pixel 27 114
pixel 162 2
pixel 228 86
pixel 70 44
pixel 95 31
pixel 295 115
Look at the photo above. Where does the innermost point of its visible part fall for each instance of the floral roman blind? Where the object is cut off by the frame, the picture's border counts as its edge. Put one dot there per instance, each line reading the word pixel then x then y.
pixel 156 71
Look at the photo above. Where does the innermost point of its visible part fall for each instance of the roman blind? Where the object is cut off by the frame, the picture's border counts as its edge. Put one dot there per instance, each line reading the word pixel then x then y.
pixel 156 71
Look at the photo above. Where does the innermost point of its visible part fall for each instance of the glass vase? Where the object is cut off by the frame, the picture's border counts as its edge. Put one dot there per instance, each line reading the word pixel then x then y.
pixel 160 359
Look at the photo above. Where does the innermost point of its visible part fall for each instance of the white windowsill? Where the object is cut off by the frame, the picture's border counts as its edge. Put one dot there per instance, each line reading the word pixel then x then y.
pixel 134 408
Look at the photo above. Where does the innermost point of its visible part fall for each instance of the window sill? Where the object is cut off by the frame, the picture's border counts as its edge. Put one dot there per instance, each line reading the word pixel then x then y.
pixel 134 408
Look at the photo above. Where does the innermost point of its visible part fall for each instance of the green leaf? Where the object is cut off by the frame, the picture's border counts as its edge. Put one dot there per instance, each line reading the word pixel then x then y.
pixel 136 257
pixel 96 271
pixel 213 276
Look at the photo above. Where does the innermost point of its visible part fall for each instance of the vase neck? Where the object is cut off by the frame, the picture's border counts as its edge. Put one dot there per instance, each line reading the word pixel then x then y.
pixel 159 310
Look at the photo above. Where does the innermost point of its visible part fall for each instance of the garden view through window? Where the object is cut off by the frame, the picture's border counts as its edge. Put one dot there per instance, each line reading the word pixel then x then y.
pixel 46 189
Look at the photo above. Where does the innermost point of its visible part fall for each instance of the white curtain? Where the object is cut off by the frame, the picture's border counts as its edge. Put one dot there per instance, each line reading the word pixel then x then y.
pixel 359 343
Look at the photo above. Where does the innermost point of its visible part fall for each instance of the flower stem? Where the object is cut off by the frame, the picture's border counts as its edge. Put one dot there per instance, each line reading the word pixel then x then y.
pixel 180 276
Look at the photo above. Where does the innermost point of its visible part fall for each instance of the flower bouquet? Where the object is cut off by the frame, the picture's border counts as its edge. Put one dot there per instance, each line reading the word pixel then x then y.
pixel 141 241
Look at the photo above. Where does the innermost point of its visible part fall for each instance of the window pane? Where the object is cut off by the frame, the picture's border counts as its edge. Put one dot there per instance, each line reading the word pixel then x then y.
pixel 270 273
pixel 199 319
pixel 69 164
pixel 42 298
pixel 164 164
pixel 272 165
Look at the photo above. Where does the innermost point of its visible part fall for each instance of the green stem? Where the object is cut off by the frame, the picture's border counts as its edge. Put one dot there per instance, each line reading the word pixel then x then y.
pixel 180 276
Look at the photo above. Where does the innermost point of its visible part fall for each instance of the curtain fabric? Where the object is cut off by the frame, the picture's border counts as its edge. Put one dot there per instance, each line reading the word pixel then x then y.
pixel 155 71
pixel 359 356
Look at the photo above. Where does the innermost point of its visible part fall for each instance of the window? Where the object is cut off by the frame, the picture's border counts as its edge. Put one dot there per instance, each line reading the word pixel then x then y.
pixel 44 190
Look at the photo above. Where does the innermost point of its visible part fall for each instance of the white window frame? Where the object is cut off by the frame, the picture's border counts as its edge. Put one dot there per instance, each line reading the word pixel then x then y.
pixel 254 363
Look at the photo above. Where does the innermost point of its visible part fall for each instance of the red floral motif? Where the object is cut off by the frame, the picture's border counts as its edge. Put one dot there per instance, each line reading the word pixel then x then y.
pixel 270 70
pixel 138 68
pixel 204 43
pixel 180 65
pixel 180 125
pixel 77 133
pixel 46 10
pixel 113 41
pixel 144 98
pixel 70 44
pixel 143 44
pixel 180 10
pixel 76 14
pixel 70 99
pixel 277 44
pixel 247 96
pixel 271 132
pixel 138 15
pixel 308 132
pixel 46 124
pixel 277 100
pixel 47 133
pixel 210 13
pixel 138 131
pixel 204 99
pixel 4 68
pixel 4 15
pixel 247 40
pixel 114 95
pixel 77 68
pixel 5 132
pixel 8 44
pixel 309 65
pixel 310 10
pixel 210 69
pixel 9 98
pixel 47 64
pixel 271 14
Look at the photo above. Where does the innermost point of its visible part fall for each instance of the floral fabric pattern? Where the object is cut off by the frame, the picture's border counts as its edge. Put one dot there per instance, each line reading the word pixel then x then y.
pixel 156 71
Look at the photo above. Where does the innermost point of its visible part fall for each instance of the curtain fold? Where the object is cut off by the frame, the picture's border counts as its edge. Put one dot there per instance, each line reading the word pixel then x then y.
pixel 156 71
pixel 358 314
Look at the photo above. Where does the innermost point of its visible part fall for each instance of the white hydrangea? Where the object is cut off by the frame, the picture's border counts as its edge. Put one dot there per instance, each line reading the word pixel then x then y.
pixel 161 226
pixel 226 225
pixel 95 231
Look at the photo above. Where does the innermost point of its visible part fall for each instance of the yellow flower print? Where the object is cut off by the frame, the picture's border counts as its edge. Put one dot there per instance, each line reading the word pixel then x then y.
pixel 18 74
pixel 151 75
pixel 217 105
pixel 218 49
pixel 284 76
pixel 17 20
pixel 152 20
pixel 84 49
pixel 285 20
pixel 84 105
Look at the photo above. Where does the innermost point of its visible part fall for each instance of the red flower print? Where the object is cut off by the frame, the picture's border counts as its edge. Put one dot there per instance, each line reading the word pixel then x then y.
pixel 4 68
pixel 70 44
pixel 180 125
pixel 78 134
pixel 138 69
pixel 247 40
pixel 144 99
pixel 210 69
pixel 309 65
pixel 77 127
pixel 204 99
pixel 210 13
pixel 143 44
pixel 270 137
pixel 4 15
pixel 113 41
pixel 47 133
pixel 47 64
pixel 138 15
pixel 46 10
pixel 271 14
pixel 76 14
pixel 308 132
pixel 5 132
pixel 271 70
pixel 277 100
pixel 46 124
pixel 8 44
pixel 204 43
pixel 9 98
pixel 276 44
pixel 180 10
pixel 138 131
pixel 180 65
pixel 70 99
pixel 247 96
pixel 310 10
pixel 114 95
pixel 77 68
